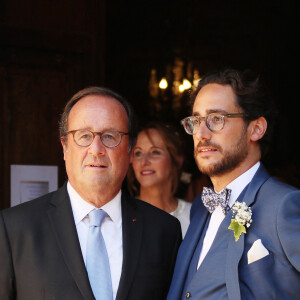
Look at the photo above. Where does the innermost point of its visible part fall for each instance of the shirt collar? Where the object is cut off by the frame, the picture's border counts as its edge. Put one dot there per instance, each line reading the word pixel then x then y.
pixel 82 208
pixel 238 184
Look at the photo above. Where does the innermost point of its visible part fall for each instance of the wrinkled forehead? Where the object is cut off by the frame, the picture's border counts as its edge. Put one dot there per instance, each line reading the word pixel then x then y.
pixel 98 112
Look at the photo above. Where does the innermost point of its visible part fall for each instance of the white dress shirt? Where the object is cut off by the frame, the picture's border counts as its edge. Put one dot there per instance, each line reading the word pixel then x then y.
pixel 111 229
pixel 236 187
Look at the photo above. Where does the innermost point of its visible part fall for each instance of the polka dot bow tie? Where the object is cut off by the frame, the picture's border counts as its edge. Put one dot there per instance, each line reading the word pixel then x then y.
pixel 211 199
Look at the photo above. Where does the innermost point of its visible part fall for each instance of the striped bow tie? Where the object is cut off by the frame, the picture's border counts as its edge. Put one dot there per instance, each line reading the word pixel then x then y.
pixel 211 199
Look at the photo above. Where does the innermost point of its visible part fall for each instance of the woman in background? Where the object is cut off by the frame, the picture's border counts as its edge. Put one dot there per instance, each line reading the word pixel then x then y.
pixel 155 170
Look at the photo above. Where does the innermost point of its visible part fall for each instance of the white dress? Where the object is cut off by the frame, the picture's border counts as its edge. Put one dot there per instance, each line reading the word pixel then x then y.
pixel 182 213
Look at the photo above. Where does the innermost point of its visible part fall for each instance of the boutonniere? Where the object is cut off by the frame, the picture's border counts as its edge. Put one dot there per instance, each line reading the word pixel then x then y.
pixel 242 217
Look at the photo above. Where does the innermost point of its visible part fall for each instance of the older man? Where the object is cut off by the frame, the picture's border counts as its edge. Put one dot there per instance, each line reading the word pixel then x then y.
pixel 243 240
pixel 89 239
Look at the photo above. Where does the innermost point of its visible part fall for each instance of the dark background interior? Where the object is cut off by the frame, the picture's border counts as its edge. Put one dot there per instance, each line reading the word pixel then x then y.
pixel 51 49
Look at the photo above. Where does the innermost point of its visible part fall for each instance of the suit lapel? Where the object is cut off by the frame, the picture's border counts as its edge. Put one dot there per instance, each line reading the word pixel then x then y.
pixel 236 249
pixel 258 180
pixel 132 224
pixel 199 215
pixel 62 222
pixel 195 231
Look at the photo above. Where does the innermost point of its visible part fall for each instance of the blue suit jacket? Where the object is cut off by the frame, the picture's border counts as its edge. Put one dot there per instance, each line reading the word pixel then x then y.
pixel 276 221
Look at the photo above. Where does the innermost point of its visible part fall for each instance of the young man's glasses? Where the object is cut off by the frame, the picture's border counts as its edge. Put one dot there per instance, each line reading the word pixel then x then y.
pixel 213 121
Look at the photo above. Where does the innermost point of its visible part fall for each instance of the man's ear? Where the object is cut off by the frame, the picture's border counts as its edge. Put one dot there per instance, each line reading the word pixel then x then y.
pixel 64 145
pixel 258 129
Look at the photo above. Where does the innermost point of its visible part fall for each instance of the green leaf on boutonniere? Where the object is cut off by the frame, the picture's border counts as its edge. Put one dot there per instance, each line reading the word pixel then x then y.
pixel 237 228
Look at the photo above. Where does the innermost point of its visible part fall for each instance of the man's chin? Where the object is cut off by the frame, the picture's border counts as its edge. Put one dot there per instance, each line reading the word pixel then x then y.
pixel 205 166
pixel 96 183
pixel 208 169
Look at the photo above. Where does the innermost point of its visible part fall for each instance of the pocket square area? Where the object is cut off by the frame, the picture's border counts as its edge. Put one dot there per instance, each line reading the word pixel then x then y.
pixel 257 251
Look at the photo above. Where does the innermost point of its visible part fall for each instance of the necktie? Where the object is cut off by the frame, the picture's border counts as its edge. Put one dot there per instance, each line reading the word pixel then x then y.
pixel 211 199
pixel 97 262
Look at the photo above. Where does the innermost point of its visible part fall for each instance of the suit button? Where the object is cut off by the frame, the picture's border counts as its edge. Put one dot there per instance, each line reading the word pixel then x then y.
pixel 188 295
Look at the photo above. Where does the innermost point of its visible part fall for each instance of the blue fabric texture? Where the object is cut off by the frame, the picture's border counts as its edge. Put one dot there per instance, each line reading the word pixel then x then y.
pixel 97 262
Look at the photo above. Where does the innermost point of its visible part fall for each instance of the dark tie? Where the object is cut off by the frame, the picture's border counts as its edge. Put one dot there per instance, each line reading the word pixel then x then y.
pixel 97 262
pixel 211 199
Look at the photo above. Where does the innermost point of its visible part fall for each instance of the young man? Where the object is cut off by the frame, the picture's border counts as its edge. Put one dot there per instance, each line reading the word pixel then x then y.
pixel 50 248
pixel 256 255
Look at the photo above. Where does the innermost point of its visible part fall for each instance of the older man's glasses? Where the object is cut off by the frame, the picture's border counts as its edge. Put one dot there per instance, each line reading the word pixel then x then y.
pixel 214 122
pixel 109 138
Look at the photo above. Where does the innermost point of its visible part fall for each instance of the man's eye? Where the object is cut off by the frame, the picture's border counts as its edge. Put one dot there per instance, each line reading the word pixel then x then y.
pixel 195 121
pixel 108 136
pixel 85 136
pixel 217 119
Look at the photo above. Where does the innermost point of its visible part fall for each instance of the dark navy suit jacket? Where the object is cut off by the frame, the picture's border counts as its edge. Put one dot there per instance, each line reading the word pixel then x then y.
pixel 276 221
pixel 40 255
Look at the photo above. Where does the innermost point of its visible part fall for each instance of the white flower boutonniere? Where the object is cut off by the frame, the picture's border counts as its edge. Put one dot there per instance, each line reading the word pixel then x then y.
pixel 242 214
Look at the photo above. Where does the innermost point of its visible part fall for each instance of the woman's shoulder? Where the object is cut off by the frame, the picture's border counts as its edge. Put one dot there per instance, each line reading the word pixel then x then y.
pixel 183 208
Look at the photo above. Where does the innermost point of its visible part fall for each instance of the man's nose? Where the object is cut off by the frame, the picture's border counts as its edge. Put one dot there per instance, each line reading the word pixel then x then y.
pixel 97 146
pixel 203 133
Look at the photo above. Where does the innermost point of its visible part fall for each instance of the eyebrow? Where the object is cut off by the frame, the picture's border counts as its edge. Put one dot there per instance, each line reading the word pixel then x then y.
pixel 106 129
pixel 155 147
pixel 210 111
